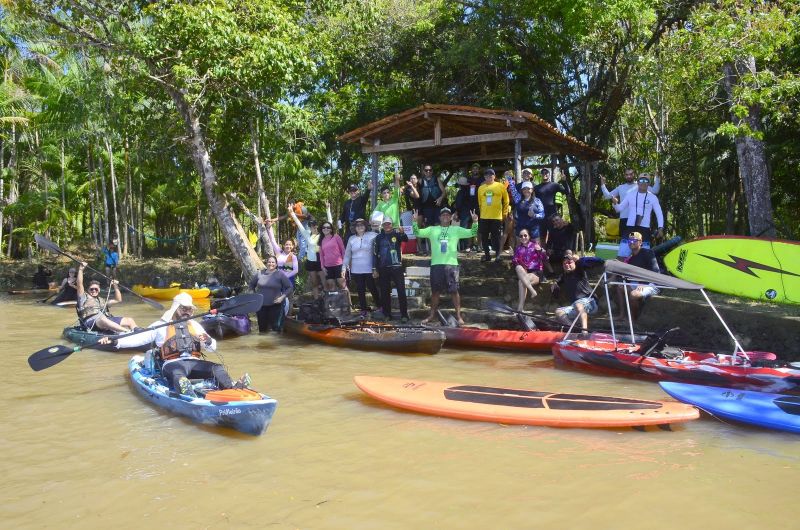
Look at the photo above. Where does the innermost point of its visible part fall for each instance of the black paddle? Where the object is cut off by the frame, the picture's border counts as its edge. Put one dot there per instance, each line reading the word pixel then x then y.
pixel 45 300
pixel 500 307
pixel 49 245
pixel 240 305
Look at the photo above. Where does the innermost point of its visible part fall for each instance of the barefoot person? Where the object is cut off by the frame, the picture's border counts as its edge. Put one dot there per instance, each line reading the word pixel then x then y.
pixel 444 240
pixel 529 259
pixel 92 310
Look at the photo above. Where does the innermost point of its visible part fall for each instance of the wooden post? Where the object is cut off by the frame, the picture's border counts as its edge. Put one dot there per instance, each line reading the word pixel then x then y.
pixel 373 197
pixel 518 159
pixel 586 201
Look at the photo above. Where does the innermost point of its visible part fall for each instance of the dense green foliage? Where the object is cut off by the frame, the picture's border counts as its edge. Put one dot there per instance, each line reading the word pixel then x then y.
pixel 87 86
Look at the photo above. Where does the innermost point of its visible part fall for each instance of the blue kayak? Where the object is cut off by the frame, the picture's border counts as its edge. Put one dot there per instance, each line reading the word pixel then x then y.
pixel 244 410
pixel 773 411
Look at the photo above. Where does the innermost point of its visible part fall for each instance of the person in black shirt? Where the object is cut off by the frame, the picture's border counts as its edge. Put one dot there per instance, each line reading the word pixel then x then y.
pixel 546 191
pixel 575 284
pixel 41 278
pixel 638 293
pixel 559 237
pixel 354 208
pixel 387 268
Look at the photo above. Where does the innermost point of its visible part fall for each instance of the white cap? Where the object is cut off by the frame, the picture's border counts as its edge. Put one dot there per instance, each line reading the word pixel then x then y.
pixel 387 219
pixel 180 300
pixel 527 184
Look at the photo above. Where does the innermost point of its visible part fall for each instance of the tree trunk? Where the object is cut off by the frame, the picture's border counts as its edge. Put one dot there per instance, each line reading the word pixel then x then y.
pixel 106 230
pixel 231 229
pixel 128 203
pixel 12 186
pixel 113 188
pixel 751 154
pixel 262 196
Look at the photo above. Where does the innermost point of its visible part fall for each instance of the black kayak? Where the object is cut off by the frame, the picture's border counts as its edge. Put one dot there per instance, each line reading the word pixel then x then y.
pixel 221 325
pixel 84 337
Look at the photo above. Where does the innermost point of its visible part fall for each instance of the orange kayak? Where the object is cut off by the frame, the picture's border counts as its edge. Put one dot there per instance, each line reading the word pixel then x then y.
pixel 522 407
pixel 502 339
pixel 371 336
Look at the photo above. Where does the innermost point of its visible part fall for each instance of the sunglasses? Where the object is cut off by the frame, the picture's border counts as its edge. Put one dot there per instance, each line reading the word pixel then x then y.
pixel 326 227
pixel 427 169
pixel 644 181
pixel 523 236
pixel 94 289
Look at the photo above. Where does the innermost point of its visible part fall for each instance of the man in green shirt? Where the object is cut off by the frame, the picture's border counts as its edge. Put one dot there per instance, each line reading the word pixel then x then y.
pixel 389 201
pixel 444 257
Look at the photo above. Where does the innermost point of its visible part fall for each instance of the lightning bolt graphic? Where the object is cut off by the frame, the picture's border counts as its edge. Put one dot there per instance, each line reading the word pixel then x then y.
pixel 746 266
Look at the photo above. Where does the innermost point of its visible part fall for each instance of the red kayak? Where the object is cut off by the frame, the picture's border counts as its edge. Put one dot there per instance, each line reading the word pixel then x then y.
pixel 761 372
pixel 502 339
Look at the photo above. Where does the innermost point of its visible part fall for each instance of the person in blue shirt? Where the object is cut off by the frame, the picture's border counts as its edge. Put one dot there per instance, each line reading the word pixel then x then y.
pixel 111 257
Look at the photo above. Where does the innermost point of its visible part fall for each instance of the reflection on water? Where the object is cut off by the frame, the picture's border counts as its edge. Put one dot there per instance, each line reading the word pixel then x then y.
pixel 82 450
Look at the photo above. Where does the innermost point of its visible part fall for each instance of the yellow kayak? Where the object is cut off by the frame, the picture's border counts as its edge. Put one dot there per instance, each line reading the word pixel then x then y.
pixel 168 293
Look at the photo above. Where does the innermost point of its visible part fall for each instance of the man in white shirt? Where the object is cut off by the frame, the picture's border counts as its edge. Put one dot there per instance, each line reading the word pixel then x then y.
pixel 620 192
pixel 640 204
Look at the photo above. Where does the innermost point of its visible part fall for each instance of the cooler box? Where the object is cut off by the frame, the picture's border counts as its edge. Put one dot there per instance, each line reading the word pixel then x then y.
pixel 606 250
pixel 409 247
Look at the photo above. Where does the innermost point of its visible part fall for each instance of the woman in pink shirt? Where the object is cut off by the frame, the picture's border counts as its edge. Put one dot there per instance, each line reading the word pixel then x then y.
pixel 331 256
pixel 528 262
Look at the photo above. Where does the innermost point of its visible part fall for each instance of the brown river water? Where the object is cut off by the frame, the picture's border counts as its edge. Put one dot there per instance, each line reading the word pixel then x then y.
pixel 80 449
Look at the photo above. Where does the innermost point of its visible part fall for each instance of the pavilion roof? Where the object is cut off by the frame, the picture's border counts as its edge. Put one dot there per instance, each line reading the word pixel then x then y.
pixel 456 133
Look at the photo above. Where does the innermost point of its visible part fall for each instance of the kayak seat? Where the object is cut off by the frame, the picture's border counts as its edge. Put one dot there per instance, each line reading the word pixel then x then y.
pixel 655 343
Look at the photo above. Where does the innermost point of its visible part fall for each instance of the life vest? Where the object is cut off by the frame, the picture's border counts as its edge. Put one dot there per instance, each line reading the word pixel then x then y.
pixel 180 342
pixel 89 306
pixel 430 191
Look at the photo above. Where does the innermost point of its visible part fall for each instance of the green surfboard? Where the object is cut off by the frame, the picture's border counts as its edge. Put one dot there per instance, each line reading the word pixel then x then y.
pixel 762 269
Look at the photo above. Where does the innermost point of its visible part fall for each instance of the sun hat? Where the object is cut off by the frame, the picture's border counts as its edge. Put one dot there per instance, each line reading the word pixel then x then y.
pixel 180 300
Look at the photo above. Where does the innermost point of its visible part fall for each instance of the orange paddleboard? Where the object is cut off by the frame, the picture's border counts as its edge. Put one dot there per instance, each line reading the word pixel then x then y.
pixel 524 407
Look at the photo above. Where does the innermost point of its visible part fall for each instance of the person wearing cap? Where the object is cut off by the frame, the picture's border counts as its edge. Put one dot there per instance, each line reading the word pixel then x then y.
pixel 92 310
pixel 574 284
pixel 493 205
pixel 640 205
pixel 444 240
pixel 546 191
pixel 355 207
pixel 508 236
pixel 275 288
pixel 528 209
pixel 620 192
pixel 637 293
pixel 387 268
pixel 527 176
pixel 358 259
pixel 432 195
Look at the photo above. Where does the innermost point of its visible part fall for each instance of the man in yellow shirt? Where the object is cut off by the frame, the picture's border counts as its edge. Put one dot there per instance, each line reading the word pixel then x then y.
pixel 494 205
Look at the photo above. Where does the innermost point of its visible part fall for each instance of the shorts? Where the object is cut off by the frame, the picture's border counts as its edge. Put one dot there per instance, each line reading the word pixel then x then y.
pixel 444 278
pixel 89 322
pixel 538 273
pixel 647 290
pixel 589 305
pixel 333 273
pixel 313 266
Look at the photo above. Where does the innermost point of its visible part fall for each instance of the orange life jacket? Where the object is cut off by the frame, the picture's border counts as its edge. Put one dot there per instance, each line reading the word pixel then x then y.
pixel 180 340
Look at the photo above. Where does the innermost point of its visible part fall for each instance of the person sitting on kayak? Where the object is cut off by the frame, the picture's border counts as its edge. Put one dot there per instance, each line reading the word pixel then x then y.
pixel 41 278
pixel 69 288
pixel 637 292
pixel 575 283
pixel 92 310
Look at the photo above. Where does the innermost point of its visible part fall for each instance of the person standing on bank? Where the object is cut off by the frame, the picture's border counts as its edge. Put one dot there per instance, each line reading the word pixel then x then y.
pixel 444 257
pixel 432 195
pixel 494 204
pixel 275 287
pixel 388 268
pixel 641 204
pixel 358 258
pixel 92 310
pixel 111 259
pixel 620 192
pixel 354 208
pixel 331 256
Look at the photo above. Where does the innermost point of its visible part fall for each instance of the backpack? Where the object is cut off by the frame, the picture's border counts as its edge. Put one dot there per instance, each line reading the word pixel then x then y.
pixel 312 312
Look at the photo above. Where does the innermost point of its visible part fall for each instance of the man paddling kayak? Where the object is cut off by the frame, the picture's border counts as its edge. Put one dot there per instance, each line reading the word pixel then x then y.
pixel 180 346
pixel 92 310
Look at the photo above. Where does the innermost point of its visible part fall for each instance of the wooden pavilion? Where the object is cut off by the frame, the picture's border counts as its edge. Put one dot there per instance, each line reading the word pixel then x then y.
pixel 455 135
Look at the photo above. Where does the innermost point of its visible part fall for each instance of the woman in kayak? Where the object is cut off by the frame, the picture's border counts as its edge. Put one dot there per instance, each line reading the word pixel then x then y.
pixel 69 288
pixel 92 310
pixel 529 259
pixel 275 287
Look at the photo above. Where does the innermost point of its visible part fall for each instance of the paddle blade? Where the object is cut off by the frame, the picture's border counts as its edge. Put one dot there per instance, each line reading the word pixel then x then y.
pixel 46 244
pixel 242 304
pixel 500 307
pixel 49 356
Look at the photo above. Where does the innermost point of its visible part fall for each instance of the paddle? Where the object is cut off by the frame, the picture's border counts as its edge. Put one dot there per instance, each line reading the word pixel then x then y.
pixel 49 245
pixel 45 300
pixel 494 305
pixel 240 305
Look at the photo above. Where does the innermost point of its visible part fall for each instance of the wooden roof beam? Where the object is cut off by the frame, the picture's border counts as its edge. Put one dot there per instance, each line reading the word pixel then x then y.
pixel 453 140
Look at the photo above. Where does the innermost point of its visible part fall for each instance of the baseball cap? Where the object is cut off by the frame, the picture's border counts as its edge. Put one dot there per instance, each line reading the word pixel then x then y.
pixel 527 184
pixel 352 187
pixel 488 171
pixel 387 219
pixel 445 210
